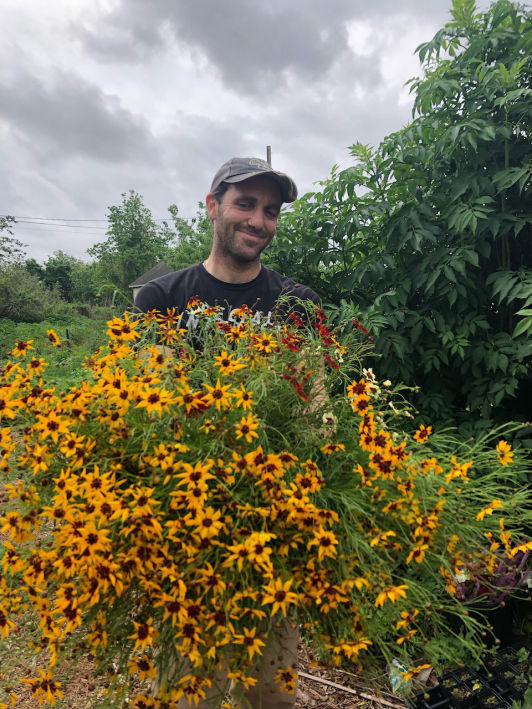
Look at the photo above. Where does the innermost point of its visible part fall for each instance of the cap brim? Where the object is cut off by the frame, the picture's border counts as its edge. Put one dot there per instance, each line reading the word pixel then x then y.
pixel 286 184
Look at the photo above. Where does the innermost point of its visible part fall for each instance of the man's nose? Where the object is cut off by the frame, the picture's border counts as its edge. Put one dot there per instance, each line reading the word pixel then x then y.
pixel 256 219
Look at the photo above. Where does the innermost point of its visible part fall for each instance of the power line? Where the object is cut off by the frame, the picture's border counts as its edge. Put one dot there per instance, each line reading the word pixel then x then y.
pixel 75 226
pixel 20 219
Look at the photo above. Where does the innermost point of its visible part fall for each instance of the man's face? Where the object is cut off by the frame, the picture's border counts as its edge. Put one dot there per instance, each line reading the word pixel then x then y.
pixel 244 222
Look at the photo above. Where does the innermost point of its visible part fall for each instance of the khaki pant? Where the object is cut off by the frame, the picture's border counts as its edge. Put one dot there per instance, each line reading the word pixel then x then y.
pixel 281 652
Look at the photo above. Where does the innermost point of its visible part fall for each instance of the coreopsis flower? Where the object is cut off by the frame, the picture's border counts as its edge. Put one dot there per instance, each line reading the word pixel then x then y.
pixel 264 343
pixel 10 402
pixel 243 397
pixel 504 452
pixel 414 671
pixel 488 510
pixel 287 679
pixel 417 553
pixel 330 448
pixel 406 618
pixel 143 667
pixel 422 434
pixel 391 593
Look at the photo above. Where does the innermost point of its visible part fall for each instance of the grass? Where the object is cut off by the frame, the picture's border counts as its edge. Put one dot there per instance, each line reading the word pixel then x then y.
pixel 79 336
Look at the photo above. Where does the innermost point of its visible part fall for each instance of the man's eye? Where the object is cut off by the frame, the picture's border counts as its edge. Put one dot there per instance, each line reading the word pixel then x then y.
pixel 272 213
pixel 243 205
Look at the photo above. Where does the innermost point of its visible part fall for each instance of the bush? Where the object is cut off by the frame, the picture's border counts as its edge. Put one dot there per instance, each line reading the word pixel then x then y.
pixel 24 298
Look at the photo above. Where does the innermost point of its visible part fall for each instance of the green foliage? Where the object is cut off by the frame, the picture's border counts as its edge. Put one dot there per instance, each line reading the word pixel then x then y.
pixel 80 336
pixel 73 278
pixel 11 249
pixel 135 244
pixel 430 233
pixel 24 298
pixel 194 238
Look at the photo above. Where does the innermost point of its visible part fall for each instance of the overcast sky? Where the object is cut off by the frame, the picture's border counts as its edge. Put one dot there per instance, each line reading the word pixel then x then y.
pixel 98 97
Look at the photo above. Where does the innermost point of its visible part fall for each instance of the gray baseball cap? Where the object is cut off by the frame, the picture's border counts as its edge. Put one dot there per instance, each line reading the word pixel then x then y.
pixel 239 169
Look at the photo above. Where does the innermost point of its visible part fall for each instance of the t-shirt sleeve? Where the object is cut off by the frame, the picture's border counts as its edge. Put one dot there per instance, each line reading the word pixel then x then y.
pixel 150 297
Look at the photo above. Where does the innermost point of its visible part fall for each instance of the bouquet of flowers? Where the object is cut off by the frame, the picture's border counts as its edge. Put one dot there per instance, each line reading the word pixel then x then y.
pixel 208 480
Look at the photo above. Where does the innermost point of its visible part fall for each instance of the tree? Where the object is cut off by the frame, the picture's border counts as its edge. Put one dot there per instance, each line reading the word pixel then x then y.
pixel 194 237
pixel 11 249
pixel 135 243
pixel 437 248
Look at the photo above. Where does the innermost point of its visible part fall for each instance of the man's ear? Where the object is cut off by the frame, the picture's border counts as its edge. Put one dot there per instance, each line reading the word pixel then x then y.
pixel 212 205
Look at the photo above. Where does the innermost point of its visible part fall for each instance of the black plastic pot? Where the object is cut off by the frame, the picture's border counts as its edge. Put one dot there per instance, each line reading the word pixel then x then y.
pixel 435 698
pixel 502 679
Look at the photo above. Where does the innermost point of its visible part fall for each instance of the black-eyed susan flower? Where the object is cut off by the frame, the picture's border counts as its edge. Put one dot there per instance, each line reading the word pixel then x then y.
pixel 251 642
pixel 53 338
pixel 278 594
pixel 243 397
pixel 22 347
pixel 144 635
pixel 247 428
pixel 218 395
pixel 229 363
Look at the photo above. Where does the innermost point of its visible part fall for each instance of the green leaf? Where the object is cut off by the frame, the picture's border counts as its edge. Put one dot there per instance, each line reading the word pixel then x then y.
pixel 524 326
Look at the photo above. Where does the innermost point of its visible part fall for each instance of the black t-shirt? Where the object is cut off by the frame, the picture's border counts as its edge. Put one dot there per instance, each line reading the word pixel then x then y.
pixel 261 294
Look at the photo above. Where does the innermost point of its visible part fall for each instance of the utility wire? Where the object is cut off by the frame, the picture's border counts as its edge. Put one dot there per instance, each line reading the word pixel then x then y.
pixel 20 219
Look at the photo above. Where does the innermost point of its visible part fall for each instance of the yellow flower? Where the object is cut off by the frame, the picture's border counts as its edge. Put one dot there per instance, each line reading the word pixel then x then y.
pixel 144 634
pixel 488 510
pixel 505 453
pixel 154 400
pixel 413 671
pixel 208 521
pixel 22 346
pixel 391 593
pixel 227 364
pixel 218 395
pixel 53 337
pixel 287 679
pixel 143 667
pixel 279 595
pixel 330 448
pixel 243 397
pixel 247 428
pixel 122 329
pixel 422 433
pixel 326 542
pixel 249 639
pixel 417 553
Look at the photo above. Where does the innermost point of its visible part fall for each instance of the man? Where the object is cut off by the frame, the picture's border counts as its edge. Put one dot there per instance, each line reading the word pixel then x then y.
pixel 244 205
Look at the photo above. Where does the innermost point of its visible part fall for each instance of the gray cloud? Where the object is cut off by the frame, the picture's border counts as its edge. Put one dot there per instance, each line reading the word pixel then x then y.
pixel 70 116
pixel 251 45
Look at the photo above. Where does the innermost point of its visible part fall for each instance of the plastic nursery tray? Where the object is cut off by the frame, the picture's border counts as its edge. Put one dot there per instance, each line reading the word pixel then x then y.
pixel 441 698
pixel 502 679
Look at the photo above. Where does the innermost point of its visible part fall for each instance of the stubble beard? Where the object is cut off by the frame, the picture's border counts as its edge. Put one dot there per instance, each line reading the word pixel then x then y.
pixel 226 239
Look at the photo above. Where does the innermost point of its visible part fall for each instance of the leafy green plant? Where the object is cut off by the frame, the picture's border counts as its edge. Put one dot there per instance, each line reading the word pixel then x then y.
pixel 429 234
